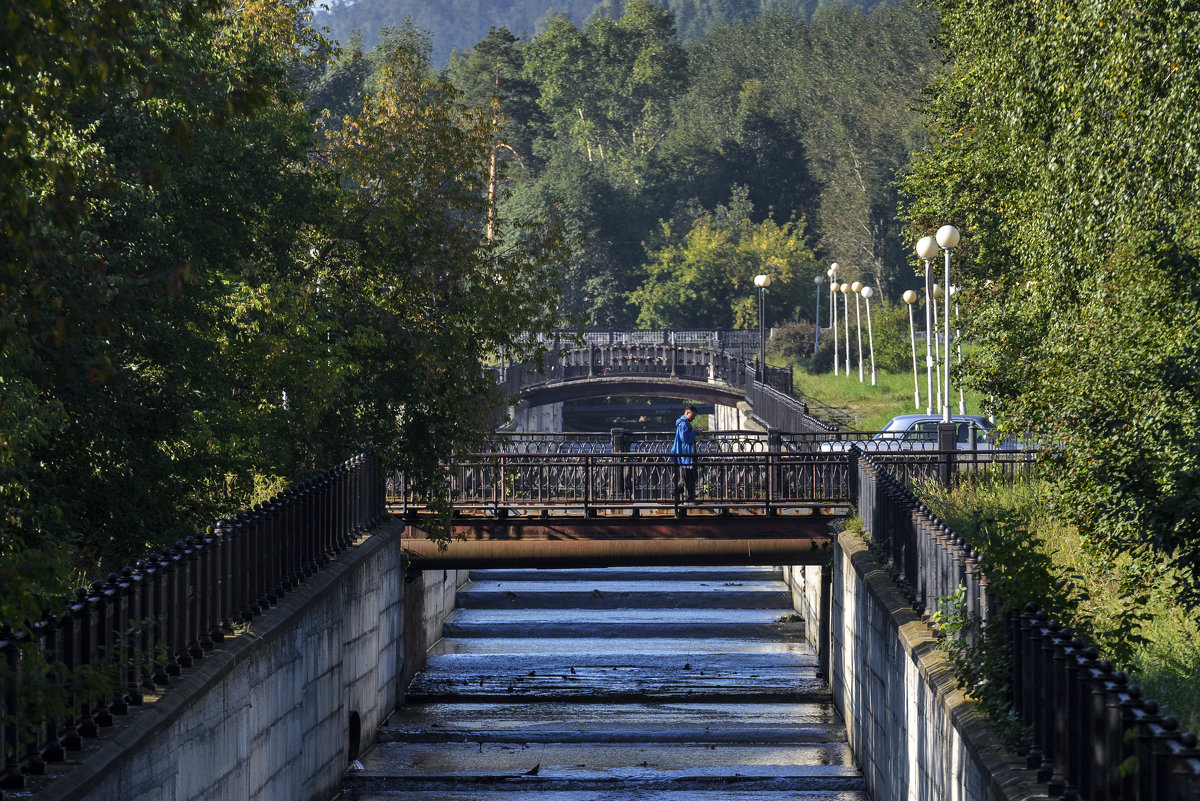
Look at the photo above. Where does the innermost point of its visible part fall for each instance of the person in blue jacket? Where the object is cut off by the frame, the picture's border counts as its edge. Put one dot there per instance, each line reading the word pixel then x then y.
pixel 684 449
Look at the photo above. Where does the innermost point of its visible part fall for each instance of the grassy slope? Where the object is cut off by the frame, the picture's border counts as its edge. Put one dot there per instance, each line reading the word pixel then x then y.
pixel 1166 665
pixel 1116 592
pixel 872 406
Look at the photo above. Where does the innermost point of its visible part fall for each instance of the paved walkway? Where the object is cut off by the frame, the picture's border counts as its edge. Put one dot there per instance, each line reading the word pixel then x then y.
pixel 655 684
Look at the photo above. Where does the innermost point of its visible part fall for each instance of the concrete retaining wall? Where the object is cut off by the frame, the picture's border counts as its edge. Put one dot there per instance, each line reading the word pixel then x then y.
pixel 913 732
pixel 278 713
pixel 544 419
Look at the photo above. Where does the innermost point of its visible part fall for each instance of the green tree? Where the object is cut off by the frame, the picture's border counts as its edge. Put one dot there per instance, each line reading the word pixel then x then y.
pixel 422 293
pixel 706 278
pixel 1060 151
pixel 609 87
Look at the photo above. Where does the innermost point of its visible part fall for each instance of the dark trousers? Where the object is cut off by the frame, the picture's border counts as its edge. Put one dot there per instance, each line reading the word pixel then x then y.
pixel 685 481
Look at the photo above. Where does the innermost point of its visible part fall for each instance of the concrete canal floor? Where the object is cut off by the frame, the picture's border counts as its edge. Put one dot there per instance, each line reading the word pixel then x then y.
pixel 655 684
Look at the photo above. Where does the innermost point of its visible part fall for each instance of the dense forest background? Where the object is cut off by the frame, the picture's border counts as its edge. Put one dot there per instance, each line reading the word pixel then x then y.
pixel 458 24
pixel 768 142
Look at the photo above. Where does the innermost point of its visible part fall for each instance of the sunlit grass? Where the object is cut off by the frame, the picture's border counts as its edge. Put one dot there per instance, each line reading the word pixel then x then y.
pixel 871 407
pixel 1167 663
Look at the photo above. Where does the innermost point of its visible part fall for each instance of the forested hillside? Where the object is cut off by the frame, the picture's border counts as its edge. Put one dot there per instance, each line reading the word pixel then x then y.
pixel 459 24
pixel 682 170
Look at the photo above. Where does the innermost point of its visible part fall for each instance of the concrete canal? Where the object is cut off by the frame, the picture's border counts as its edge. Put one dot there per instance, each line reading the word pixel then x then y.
pixel 613 684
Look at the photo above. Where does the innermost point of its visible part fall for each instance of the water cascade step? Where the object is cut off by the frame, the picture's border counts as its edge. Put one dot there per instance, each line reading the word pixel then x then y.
pixel 615 684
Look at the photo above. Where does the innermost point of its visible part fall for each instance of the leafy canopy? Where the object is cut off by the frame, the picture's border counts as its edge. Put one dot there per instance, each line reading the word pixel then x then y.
pixel 1065 151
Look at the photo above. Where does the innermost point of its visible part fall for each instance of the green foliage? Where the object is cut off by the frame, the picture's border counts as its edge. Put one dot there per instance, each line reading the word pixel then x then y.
pixel 1061 155
pixel 706 278
pixel 613 125
pixel 982 665
pixel 1127 608
pixel 206 297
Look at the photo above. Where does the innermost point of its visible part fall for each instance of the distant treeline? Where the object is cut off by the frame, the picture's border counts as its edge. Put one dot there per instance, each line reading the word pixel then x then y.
pixel 458 24
pixel 682 170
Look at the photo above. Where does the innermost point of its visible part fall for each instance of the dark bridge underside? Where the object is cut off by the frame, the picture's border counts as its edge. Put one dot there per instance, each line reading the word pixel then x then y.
pixel 698 538
pixel 632 386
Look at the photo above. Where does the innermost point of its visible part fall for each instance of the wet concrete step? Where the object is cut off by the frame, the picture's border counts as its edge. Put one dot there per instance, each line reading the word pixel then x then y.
pixel 459 719
pixel 608 794
pixel 616 673
pixel 633 621
pixel 618 594
pixel 712 698
pixel 770 643
pixel 641 765
pixel 718 575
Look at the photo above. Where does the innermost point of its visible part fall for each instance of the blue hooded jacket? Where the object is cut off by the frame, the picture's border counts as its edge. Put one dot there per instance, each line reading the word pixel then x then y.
pixel 685 442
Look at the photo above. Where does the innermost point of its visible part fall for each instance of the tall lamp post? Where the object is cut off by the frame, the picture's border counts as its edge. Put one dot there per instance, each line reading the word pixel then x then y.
pixel 818 280
pixel 938 296
pixel 948 237
pixel 910 298
pixel 962 401
pixel 846 316
pixel 867 292
pixel 856 287
pixel 762 282
pixel 833 290
pixel 927 250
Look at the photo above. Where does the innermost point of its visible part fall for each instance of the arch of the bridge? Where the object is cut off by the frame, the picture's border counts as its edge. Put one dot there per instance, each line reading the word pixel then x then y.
pixel 634 387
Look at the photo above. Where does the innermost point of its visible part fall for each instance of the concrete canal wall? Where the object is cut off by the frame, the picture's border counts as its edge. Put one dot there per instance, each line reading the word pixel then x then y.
pixel 278 713
pixel 912 731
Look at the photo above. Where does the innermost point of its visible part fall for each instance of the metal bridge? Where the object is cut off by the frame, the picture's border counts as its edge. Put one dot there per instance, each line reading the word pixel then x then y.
pixel 700 366
pixel 540 500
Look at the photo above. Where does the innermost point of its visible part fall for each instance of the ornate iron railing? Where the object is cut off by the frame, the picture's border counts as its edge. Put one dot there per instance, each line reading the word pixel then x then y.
pixel 146 623
pixel 788 413
pixel 587 482
pixel 1094 737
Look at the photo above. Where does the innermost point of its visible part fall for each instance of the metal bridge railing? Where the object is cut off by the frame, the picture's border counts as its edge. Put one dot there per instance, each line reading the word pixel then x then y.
pixel 149 621
pixel 642 360
pixel 1094 737
pixel 588 482
pixel 788 413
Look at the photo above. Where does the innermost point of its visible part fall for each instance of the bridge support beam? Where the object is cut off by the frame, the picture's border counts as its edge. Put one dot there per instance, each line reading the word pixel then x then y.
pixel 624 543
pixel 425 554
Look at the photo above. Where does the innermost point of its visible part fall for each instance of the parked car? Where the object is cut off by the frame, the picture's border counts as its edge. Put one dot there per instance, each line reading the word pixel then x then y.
pixel 919 432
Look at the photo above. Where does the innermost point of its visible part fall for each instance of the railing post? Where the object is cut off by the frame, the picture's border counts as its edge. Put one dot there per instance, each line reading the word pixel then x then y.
pixel 133 626
pixel 118 636
pixel 210 589
pixel 588 464
pixel 193 598
pixel 774 468
pixel 51 638
pixel 10 652
pixel 947 439
pixel 223 621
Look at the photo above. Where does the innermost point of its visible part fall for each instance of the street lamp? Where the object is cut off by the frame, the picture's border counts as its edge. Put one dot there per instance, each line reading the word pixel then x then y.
pixel 845 290
pixel 938 295
pixel 833 290
pixel 962 402
pixel 818 280
pixel 867 292
pixel 927 250
pixel 762 282
pixel 857 288
pixel 948 238
pixel 910 298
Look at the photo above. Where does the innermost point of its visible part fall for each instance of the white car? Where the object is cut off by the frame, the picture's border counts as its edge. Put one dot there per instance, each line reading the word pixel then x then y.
pixel 919 432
